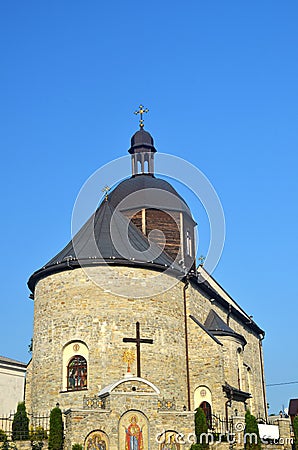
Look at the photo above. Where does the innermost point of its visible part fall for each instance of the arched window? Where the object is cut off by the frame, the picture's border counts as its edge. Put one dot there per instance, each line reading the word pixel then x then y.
pixel 188 243
pixel 206 407
pixel 77 373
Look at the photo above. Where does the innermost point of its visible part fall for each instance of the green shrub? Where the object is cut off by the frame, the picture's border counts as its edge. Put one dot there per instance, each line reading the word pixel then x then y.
pixel 295 429
pixel 77 447
pixel 252 436
pixel 201 427
pixel 56 430
pixel 35 445
pixel 37 434
pixel 8 446
pixel 20 424
pixel 3 436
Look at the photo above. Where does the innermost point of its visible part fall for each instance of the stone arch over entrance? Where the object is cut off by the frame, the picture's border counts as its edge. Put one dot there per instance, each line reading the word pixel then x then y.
pixel 96 440
pixel 133 431
pixel 203 399
pixel 202 394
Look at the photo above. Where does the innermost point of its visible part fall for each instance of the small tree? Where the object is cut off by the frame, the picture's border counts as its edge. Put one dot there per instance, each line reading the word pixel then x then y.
pixel 295 429
pixel 201 431
pixel 3 436
pixel 20 424
pixel 56 429
pixel 252 436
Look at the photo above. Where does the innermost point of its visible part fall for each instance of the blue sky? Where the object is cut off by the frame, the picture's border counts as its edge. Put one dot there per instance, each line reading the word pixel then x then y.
pixel 220 80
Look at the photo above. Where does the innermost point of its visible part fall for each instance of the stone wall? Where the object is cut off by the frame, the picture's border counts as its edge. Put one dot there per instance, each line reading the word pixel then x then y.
pixel 225 358
pixel 69 307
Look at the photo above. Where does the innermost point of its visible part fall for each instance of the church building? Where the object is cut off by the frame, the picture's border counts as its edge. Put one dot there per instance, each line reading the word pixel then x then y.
pixel 131 335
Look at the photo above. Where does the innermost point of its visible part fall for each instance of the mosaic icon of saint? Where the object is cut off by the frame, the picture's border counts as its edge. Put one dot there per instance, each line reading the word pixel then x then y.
pixel 96 443
pixel 134 436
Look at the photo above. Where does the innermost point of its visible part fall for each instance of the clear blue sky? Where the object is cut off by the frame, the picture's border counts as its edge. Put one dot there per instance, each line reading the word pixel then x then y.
pixel 221 81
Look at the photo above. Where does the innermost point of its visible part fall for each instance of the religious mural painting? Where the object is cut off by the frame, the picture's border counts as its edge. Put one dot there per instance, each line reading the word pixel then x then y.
pixel 133 431
pixel 97 440
pixel 77 373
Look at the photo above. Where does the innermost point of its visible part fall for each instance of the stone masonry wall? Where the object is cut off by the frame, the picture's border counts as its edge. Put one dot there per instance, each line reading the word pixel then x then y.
pixel 199 306
pixel 70 307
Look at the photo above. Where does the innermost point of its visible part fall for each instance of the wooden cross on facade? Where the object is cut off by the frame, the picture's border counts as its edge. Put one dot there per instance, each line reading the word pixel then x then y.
pixel 141 111
pixel 138 341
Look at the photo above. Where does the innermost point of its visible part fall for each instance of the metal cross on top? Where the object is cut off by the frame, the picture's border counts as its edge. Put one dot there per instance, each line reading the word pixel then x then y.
pixel 138 341
pixel 106 190
pixel 202 260
pixel 141 111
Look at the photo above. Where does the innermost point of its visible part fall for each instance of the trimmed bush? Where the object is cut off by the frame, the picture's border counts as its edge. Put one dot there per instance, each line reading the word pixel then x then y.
pixel 201 428
pixel 20 424
pixel 295 429
pixel 252 436
pixel 56 430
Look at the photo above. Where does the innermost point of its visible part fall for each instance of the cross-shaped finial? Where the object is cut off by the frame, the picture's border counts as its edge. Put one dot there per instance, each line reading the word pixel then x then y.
pixel 106 190
pixel 141 111
pixel 202 260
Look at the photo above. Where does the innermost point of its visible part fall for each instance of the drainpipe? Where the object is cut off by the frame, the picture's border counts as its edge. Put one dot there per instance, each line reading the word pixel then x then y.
pixel 262 375
pixel 186 342
pixel 227 404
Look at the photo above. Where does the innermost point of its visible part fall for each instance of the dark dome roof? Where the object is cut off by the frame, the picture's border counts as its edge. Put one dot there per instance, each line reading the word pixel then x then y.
pixel 142 184
pixel 94 245
pixel 142 140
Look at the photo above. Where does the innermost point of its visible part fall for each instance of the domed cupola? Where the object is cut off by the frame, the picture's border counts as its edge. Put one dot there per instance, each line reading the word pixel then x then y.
pixel 142 149
pixel 145 209
pixel 142 140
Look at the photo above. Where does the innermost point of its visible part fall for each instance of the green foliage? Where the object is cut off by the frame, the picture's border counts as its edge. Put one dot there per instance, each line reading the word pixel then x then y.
pixel 36 445
pixel 30 346
pixel 5 446
pixel 20 424
pixel 200 428
pixel 252 436
pixel 8 446
pixel 77 447
pixel 3 436
pixel 56 430
pixel 37 434
pixel 295 429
